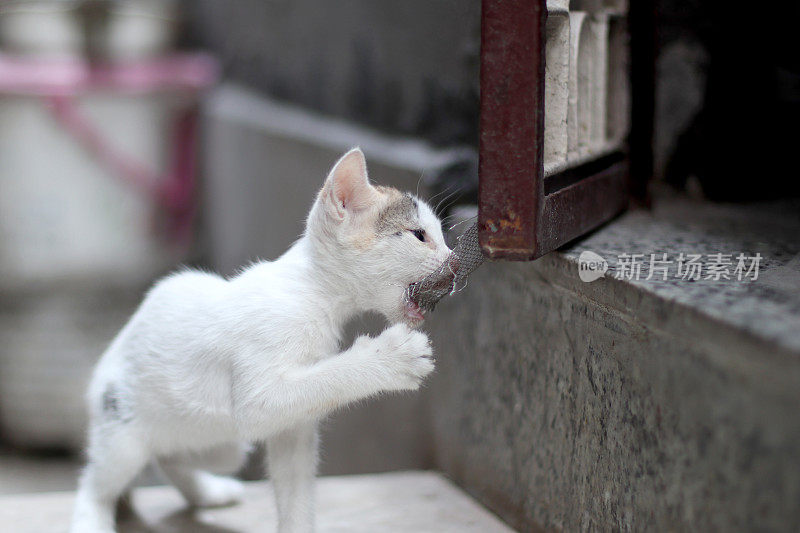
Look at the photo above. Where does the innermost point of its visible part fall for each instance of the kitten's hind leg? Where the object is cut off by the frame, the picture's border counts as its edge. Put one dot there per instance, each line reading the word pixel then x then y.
pixel 189 473
pixel 116 456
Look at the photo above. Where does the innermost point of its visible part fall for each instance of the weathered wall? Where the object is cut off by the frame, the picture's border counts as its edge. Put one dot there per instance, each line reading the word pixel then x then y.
pixel 572 406
pixel 405 67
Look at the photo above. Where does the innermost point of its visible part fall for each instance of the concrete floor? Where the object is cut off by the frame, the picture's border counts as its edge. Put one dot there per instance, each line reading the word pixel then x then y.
pixel 21 474
pixel 413 502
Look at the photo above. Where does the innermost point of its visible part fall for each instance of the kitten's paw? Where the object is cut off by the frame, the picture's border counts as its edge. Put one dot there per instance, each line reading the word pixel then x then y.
pixel 89 526
pixel 216 491
pixel 90 516
pixel 407 357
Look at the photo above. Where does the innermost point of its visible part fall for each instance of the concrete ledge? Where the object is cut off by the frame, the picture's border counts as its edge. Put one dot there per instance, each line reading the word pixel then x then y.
pixel 649 405
pixel 407 501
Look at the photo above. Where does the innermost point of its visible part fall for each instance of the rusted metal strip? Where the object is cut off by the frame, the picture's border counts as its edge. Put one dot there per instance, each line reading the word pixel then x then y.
pixel 512 126
pixel 581 207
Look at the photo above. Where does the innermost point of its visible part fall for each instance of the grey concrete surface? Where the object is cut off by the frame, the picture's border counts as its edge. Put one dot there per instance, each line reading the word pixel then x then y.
pixel 27 473
pixel 768 308
pixel 632 406
pixel 21 474
pixel 408 502
pixel 405 67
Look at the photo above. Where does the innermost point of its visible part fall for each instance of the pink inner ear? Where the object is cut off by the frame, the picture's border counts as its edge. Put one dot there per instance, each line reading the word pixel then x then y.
pixel 350 182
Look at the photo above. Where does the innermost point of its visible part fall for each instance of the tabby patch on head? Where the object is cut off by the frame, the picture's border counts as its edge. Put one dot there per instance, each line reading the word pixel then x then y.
pixel 400 213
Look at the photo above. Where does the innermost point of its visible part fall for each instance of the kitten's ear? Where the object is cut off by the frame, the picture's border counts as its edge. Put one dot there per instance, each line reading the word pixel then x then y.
pixel 347 188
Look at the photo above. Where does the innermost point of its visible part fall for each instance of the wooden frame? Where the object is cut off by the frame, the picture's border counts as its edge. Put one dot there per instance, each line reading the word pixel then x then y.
pixel 523 215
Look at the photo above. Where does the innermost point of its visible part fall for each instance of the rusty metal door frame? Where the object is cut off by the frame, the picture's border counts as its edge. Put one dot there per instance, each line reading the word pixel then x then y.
pixel 522 215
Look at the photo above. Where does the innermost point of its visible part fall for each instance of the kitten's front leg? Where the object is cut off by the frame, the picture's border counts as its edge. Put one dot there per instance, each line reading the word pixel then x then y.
pixel 292 457
pixel 398 359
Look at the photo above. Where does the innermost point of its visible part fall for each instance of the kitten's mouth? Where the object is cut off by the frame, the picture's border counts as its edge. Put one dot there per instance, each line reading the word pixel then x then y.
pixel 423 295
pixel 412 312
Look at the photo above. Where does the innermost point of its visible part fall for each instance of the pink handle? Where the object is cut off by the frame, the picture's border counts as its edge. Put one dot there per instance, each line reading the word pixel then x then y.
pixel 59 81
pixel 46 77
pixel 175 192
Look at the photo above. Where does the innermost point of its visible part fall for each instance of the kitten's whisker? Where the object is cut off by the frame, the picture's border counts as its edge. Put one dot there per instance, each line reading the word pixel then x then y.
pixel 445 208
pixel 470 219
pixel 443 191
pixel 422 174
pixel 445 199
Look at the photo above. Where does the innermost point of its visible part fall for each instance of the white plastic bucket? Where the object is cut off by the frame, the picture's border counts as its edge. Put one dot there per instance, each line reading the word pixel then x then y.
pixel 63 216
pixel 136 28
pixel 90 159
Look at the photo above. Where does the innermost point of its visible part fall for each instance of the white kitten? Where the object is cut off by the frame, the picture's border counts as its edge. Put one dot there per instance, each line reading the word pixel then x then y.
pixel 206 363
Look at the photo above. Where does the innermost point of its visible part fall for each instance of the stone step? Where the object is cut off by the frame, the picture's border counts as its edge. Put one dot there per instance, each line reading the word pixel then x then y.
pixel 415 502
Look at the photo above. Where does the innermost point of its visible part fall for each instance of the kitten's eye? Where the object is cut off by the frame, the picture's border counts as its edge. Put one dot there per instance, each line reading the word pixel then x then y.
pixel 419 234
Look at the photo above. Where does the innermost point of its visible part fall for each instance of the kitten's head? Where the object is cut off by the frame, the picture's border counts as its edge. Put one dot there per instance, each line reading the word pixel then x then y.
pixel 374 241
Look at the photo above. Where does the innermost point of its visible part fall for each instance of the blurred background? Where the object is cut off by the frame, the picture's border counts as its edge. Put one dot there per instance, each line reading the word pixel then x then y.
pixel 140 135
pixel 137 135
